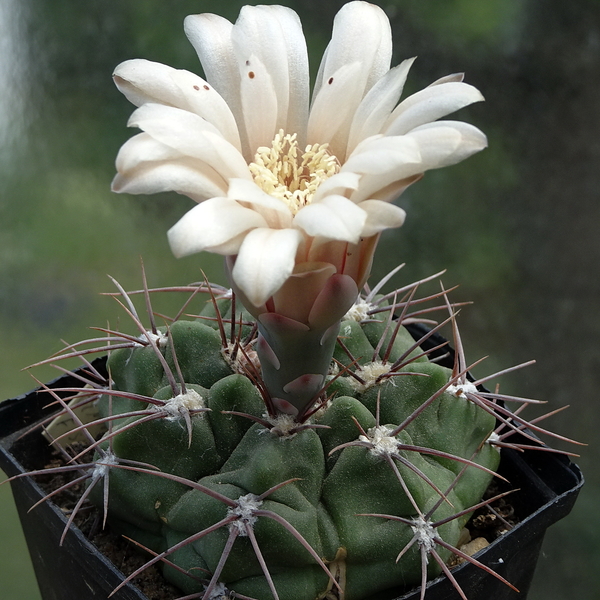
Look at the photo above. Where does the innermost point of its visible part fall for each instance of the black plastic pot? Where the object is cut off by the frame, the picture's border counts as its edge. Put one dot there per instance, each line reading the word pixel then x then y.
pixel 548 486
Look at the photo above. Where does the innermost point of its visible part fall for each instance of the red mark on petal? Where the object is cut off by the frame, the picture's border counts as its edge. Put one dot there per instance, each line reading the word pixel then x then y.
pixel 206 87
pixel 330 80
pixel 251 74
pixel 196 87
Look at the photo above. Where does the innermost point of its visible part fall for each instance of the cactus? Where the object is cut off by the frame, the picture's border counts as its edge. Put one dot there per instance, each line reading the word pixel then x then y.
pixel 308 445
pixel 393 439
pixel 366 492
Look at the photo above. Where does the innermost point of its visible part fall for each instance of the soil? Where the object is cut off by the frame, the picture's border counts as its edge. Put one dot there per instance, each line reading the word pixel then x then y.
pixel 488 522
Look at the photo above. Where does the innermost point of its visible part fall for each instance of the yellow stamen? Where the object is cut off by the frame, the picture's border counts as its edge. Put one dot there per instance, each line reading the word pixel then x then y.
pixel 281 172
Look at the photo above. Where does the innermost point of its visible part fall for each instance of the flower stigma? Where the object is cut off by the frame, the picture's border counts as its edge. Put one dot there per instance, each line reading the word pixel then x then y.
pixel 293 177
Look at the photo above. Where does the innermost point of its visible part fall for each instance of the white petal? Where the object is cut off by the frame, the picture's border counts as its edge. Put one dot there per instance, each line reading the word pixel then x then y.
pixel 430 104
pixel 265 260
pixel 191 135
pixel 211 225
pixel 182 176
pixel 378 104
pixel 448 79
pixel 259 104
pixel 334 218
pixel 383 54
pixel 211 37
pixel 381 216
pixel 445 143
pixel 273 34
pixel 333 108
pixel 145 166
pixel 258 34
pixel 143 148
pixel 337 184
pixel 399 166
pixel 441 144
pixel 204 100
pixel 384 155
pixel 320 74
pixel 144 81
pixel 274 211
pixel 361 32
pixel 363 145
pixel 401 158
pixel 297 55
pixel 390 192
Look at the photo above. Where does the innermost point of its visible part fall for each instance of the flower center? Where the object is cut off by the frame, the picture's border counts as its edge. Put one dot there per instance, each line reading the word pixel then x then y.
pixel 286 173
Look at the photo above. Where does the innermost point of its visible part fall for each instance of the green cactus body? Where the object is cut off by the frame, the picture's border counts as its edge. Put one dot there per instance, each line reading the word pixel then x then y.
pixel 334 475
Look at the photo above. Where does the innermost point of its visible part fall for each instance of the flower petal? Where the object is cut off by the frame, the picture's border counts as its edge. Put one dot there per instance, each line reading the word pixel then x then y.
pixel 211 225
pixel 391 191
pixel 430 104
pixel 401 162
pixel 259 104
pixel 204 100
pixel 448 78
pixel 361 32
pixel 337 184
pixel 180 177
pixel 441 143
pixel 381 216
pixel 445 143
pixel 298 66
pixel 378 104
pixel 144 148
pixel 192 136
pixel 274 211
pixel 265 261
pixel 333 108
pixel 384 155
pixel 211 37
pixel 273 34
pixel 146 166
pixel 142 81
pixel 334 218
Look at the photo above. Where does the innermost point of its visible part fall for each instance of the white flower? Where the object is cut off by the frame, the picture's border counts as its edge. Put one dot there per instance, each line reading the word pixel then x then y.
pixel 283 189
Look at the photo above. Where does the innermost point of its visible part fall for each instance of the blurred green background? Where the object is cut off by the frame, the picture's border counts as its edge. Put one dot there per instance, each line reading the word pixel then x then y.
pixel 516 226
